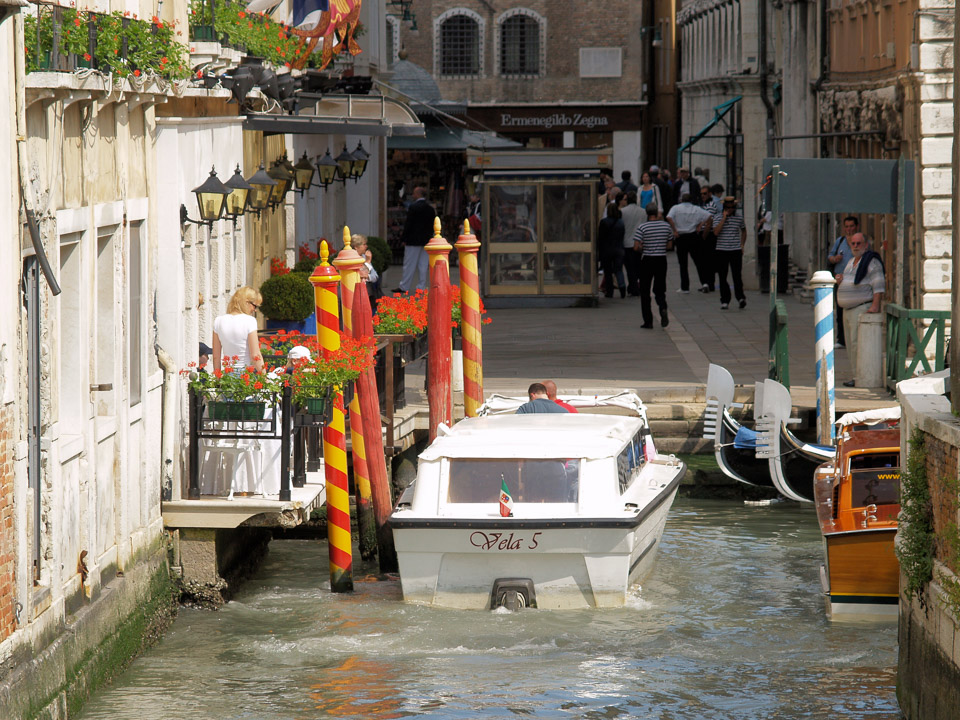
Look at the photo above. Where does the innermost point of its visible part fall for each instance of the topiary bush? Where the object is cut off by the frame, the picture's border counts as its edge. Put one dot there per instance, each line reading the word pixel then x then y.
pixel 382 254
pixel 287 297
pixel 306 265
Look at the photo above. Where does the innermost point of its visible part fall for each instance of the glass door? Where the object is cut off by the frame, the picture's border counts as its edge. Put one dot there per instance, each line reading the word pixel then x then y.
pixel 511 224
pixel 569 228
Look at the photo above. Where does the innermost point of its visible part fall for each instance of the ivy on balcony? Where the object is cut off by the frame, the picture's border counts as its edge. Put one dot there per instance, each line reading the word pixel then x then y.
pixel 64 39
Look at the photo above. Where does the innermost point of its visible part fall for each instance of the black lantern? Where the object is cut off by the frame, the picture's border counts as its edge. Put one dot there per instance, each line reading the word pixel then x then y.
pixel 211 199
pixel 345 164
pixel 327 169
pixel 261 185
pixel 303 174
pixel 284 179
pixel 239 194
pixel 360 157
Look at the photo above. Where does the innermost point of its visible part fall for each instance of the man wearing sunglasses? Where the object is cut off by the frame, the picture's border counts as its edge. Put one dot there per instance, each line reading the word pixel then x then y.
pixel 860 289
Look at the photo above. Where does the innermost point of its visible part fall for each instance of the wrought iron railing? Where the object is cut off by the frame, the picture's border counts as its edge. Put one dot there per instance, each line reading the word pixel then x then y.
pixel 908 331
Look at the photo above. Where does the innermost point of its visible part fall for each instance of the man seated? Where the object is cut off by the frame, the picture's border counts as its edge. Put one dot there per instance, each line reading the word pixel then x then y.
pixel 551 387
pixel 539 402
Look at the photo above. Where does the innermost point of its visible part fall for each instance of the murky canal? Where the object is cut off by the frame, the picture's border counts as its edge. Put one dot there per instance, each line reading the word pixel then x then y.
pixel 729 626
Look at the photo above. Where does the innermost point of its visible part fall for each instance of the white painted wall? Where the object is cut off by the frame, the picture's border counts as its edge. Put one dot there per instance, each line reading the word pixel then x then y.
pixel 627 152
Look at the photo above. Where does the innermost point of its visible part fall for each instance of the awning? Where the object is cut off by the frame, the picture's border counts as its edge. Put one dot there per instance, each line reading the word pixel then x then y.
pixel 345 115
pixel 446 139
pixel 718 112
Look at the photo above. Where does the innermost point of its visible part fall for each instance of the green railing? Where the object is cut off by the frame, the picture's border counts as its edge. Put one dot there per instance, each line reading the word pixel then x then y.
pixel 902 332
pixel 779 352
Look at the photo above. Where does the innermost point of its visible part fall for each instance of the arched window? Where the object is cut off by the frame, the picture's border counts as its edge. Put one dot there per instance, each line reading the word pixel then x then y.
pixel 520 39
pixel 459 43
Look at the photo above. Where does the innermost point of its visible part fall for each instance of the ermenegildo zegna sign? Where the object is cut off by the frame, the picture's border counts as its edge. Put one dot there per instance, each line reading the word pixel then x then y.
pixel 582 118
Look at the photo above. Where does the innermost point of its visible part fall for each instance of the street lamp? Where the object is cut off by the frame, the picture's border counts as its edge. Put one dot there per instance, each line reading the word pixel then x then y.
pixel 284 178
pixel 239 194
pixel 211 199
pixel 345 163
pixel 261 185
pixel 360 157
pixel 303 174
pixel 327 169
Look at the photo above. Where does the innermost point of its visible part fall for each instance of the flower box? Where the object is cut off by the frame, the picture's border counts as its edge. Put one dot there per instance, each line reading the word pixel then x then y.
pixel 236 411
pixel 315 405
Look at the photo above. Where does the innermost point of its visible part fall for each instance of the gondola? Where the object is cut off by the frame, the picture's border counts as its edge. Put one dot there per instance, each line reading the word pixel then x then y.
pixel 791 461
pixel 733 444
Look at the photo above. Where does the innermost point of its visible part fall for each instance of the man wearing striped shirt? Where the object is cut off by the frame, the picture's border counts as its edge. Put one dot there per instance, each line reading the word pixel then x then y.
pixel 731 237
pixel 651 241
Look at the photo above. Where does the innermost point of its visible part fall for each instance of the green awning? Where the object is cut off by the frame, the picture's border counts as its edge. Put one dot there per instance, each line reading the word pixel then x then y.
pixel 718 112
pixel 446 139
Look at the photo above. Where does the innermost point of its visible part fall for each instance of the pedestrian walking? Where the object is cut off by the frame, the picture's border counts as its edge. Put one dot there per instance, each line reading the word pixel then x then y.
pixel 626 184
pixel 666 196
pixel 861 286
pixel 731 237
pixel 417 231
pixel 648 192
pixel 610 250
pixel 652 240
pixel 685 185
pixel 708 261
pixel 632 216
pixel 688 221
pixel 838 258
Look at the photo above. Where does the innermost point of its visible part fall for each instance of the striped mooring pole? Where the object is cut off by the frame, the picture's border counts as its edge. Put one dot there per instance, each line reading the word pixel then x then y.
pixel 822 283
pixel 439 337
pixel 325 280
pixel 349 262
pixel 468 247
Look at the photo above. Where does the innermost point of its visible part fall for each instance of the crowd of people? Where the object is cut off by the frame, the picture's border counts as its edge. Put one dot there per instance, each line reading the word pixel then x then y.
pixel 641 223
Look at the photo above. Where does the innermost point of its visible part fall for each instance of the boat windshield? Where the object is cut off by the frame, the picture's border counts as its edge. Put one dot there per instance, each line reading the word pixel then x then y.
pixel 528 480
pixel 875 487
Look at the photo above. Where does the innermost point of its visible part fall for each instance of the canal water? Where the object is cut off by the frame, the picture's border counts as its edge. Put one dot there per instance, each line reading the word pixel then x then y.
pixel 730 625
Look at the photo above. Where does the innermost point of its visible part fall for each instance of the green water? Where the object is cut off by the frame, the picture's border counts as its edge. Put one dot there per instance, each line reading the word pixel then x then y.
pixel 730 625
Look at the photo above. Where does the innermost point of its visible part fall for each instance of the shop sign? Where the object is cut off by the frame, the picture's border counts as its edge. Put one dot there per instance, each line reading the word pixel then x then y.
pixel 572 121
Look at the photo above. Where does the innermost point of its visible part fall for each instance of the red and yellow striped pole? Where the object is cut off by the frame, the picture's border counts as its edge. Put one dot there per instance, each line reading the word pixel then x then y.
pixel 349 262
pixel 439 339
pixel 468 247
pixel 325 280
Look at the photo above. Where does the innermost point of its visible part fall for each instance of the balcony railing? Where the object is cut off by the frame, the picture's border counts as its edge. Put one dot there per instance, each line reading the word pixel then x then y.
pixel 903 337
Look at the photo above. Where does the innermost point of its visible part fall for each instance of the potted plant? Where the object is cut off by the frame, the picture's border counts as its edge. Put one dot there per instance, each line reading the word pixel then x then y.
pixel 288 302
pixel 232 393
pixel 275 345
pixel 312 380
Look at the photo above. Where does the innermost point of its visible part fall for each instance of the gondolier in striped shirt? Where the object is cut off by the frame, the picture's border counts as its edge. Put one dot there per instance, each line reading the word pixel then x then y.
pixel 652 240
pixel 731 236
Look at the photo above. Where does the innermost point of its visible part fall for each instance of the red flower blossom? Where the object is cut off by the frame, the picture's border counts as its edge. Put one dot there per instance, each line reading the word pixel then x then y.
pixel 258 385
pixel 241 14
pixel 86 56
pixel 76 21
pixel 136 73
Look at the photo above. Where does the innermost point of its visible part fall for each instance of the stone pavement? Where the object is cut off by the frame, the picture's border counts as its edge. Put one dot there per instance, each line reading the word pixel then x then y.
pixel 593 350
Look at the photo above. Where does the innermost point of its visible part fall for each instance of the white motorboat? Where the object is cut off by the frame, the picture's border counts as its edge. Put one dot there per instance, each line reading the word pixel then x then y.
pixel 589 497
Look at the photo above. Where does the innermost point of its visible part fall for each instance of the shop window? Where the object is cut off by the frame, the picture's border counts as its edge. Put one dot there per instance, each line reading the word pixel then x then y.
pixel 459 39
pixel 520 43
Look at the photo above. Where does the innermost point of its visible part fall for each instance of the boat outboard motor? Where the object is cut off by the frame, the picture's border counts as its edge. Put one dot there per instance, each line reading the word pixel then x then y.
pixel 513 594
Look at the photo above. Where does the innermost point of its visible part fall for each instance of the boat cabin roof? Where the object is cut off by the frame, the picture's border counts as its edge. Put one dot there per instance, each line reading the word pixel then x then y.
pixel 548 435
pixel 871 440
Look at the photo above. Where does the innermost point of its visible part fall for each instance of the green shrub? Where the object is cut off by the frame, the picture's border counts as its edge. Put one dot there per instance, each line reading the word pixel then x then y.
pixel 287 297
pixel 382 254
pixel 306 265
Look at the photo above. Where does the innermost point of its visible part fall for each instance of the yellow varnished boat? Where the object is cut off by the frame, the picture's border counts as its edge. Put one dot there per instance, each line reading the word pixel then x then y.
pixel 857 496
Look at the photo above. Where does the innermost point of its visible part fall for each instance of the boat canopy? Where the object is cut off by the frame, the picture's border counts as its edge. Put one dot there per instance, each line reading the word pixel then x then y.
pixel 869 417
pixel 547 435
pixel 625 399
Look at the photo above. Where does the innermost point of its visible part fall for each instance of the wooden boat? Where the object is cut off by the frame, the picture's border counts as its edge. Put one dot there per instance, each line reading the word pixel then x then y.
pixel 734 445
pixel 858 499
pixel 589 496
pixel 791 461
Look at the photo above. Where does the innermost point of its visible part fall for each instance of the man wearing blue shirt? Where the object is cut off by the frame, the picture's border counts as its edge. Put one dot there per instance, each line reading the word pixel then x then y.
pixel 539 402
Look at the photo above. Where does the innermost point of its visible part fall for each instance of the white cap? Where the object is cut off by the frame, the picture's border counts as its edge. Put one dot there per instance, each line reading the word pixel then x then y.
pixel 654 168
pixel 298 352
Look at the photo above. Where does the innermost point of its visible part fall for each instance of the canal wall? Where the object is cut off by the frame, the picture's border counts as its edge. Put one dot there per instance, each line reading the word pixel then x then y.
pixel 51 675
pixel 928 545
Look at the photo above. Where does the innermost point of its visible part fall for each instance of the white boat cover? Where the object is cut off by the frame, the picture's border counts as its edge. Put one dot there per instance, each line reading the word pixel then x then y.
pixel 502 404
pixel 869 417
pixel 546 435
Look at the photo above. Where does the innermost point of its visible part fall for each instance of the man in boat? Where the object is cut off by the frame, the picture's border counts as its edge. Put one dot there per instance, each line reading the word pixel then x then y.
pixel 539 402
pixel 551 387
pixel 860 290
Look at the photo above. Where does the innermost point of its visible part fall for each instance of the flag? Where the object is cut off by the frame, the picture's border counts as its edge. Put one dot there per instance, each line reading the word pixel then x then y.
pixel 307 12
pixel 506 502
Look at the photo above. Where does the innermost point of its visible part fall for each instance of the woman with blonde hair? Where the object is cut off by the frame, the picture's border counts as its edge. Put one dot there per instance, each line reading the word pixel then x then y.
pixel 235 334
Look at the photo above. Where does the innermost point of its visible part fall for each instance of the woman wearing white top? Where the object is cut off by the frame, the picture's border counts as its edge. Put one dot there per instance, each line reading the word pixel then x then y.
pixel 235 334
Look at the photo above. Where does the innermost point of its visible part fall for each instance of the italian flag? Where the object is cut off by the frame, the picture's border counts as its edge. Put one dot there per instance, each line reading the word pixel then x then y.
pixel 506 502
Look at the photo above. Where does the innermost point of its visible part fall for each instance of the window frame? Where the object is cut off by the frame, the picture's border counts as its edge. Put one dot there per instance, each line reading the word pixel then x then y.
pixel 438 42
pixel 542 39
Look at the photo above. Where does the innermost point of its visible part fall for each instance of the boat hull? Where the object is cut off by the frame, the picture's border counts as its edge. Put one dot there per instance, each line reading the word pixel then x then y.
pixel 861 575
pixel 572 562
pixel 739 464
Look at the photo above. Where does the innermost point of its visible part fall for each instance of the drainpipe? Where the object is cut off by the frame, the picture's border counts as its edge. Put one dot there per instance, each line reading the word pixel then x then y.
pixel 168 426
pixel 762 22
